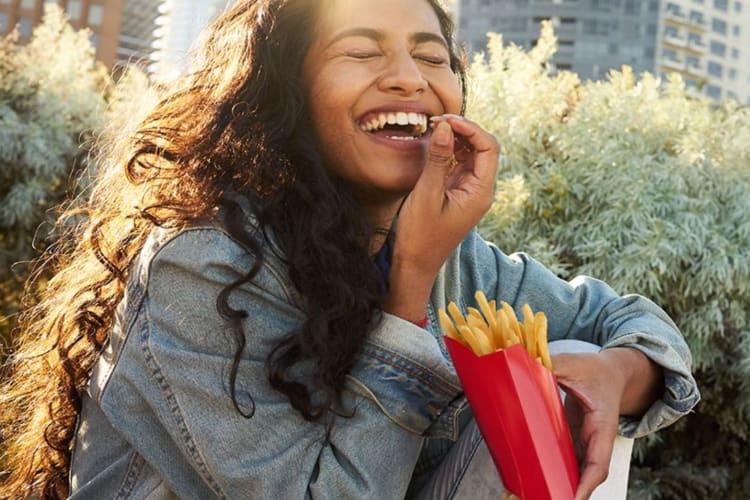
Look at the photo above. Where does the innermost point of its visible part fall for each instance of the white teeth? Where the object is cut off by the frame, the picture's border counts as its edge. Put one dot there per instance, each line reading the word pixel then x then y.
pixel 418 120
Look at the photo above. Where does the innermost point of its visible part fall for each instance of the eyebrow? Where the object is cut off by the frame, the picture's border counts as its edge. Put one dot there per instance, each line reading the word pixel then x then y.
pixel 378 36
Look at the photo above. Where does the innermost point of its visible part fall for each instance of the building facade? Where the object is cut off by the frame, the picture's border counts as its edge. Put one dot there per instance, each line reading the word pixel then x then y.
pixel 123 31
pixel 180 25
pixel 706 41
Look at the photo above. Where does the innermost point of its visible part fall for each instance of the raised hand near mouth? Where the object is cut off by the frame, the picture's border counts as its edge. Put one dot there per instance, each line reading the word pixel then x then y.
pixel 452 194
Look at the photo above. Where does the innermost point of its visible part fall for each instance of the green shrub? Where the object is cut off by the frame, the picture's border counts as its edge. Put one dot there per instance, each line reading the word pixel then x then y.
pixel 633 181
pixel 55 99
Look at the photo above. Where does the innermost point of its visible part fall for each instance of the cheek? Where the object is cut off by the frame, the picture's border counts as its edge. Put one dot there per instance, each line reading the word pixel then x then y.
pixel 449 91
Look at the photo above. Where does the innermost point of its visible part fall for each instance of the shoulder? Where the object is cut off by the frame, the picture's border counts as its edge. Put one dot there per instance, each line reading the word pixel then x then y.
pixel 205 253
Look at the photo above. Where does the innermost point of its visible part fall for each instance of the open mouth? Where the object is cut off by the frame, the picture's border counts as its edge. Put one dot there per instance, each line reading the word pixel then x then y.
pixel 399 126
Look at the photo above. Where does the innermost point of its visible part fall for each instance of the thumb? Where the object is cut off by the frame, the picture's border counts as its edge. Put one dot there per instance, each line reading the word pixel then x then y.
pixel 439 155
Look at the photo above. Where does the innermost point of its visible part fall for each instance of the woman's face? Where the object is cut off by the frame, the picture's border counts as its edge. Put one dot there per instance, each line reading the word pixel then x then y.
pixel 377 72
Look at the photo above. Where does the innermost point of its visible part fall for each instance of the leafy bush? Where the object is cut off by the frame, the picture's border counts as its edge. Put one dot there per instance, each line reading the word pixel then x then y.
pixel 633 181
pixel 55 99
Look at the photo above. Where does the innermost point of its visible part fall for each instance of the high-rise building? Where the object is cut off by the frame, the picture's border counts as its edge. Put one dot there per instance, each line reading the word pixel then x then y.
pixel 706 41
pixel 121 30
pixel 180 24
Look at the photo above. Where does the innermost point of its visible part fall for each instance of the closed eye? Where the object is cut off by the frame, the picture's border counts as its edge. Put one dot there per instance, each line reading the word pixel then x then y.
pixel 362 55
pixel 432 60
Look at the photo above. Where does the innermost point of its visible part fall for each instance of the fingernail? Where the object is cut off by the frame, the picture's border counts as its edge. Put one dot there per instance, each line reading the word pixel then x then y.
pixel 442 134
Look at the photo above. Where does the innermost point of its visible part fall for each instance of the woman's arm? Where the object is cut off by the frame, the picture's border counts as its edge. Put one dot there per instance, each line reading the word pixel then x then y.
pixel 640 380
pixel 174 370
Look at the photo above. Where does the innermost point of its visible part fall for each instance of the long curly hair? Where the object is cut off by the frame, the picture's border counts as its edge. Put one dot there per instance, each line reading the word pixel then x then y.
pixel 236 122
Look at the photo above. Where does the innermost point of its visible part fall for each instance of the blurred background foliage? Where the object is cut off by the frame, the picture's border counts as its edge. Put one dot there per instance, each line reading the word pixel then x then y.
pixel 630 180
pixel 57 103
pixel 633 181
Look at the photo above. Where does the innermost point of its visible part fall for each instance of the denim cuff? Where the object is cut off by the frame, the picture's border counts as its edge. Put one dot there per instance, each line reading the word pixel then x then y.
pixel 680 389
pixel 403 371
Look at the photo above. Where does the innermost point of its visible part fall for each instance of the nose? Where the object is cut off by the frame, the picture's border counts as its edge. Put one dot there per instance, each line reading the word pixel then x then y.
pixel 402 75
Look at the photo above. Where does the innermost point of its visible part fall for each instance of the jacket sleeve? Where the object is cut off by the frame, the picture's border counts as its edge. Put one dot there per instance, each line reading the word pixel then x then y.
pixel 587 309
pixel 176 374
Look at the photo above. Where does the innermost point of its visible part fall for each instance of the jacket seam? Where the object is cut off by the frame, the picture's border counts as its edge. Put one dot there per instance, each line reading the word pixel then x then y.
pixel 171 399
pixel 132 472
pixel 131 322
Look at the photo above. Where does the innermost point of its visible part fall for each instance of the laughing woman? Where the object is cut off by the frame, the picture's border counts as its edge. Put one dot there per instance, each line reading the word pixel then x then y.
pixel 249 308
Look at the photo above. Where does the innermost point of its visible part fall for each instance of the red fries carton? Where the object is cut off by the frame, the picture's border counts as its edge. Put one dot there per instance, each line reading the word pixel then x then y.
pixel 518 409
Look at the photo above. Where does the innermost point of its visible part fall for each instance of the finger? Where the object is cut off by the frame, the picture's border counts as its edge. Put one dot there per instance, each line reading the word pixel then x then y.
pixel 481 144
pixel 474 137
pixel 595 467
pixel 439 157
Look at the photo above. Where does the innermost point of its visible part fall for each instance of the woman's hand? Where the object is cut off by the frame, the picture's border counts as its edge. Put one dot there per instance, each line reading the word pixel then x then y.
pixel 601 387
pixel 452 194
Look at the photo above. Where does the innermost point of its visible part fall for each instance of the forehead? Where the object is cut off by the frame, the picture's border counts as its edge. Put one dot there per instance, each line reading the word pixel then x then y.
pixel 407 16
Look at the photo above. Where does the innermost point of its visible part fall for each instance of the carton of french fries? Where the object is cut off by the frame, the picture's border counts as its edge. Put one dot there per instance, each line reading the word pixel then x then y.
pixel 506 372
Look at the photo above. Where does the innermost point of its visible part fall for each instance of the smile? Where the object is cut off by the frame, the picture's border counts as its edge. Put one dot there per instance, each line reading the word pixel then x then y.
pixel 397 125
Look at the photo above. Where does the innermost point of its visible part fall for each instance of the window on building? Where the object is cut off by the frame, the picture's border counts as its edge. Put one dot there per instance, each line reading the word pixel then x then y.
pixel 74 9
pixel 649 52
pixel 94 38
pixel 722 5
pixel 735 53
pixel 612 48
pixel 96 15
pixel 4 2
pixel 690 83
pixel 694 39
pixel 719 26
pixel 692 61
pixel 698 1
pixel 715 69
pixel 732 73
pixel 738 6
pixel 669 54
pixel 653 5
pixel 718 48
pixel 671 31
pixel 3 22
pixel 736 30
pixel 713 91
pixel 24 27
pixel 28 4
pixel 697 17
pixel 631 7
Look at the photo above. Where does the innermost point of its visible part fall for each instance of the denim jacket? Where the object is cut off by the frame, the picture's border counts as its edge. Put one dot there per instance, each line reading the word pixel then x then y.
pixel 157 420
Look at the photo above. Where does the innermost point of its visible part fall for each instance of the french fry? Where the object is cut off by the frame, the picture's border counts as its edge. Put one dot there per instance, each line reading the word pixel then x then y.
pixel 478 343
pixel 528 330
pixel 513 321
pixel 542 345
pixel 488 329
pixel 487 310
pixel 455 313
pixel 448 328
